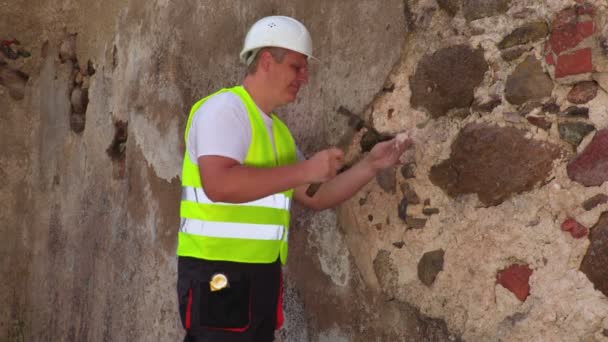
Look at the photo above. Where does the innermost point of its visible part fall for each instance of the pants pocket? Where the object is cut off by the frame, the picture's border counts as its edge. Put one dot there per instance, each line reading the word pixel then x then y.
pixel 228 308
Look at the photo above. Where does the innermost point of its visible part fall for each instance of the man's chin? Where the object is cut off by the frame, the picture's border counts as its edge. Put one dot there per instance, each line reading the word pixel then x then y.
pixel 291 97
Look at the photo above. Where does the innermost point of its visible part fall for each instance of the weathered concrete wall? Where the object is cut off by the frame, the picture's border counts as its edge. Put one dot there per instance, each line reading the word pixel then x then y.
pixel 482 235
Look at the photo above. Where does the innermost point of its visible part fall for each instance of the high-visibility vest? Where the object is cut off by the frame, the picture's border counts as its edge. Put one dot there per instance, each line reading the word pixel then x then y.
pixel 253 232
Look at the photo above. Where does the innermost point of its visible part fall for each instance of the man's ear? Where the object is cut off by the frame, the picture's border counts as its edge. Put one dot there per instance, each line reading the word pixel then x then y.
pixel 265 60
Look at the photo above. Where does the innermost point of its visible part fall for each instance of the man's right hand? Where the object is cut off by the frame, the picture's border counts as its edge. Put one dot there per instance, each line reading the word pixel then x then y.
pixel 324 165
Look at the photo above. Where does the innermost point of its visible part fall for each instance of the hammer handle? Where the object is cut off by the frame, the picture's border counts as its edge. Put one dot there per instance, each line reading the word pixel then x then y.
pixel 312 189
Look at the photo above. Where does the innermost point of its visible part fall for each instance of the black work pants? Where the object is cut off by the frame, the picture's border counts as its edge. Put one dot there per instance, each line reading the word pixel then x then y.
pixel 245 311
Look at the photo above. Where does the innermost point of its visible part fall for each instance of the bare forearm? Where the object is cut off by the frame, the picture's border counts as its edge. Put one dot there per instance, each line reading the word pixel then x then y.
pixel 244 183
pixel 345 185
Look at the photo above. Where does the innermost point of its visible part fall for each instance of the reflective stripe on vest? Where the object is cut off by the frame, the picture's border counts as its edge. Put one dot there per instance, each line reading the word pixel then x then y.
pixel 278 201
pixel 253 232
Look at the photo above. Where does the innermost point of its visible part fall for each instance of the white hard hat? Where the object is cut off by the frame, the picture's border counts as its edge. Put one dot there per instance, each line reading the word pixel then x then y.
pixel 276 31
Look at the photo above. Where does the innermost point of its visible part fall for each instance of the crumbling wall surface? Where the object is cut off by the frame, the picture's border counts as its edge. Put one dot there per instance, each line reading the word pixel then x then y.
pixel 496 223
pixel 94 97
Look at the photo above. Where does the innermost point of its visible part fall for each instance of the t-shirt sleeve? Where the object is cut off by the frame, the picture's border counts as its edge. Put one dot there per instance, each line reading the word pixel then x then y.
pixel 300 155
pixel 220 127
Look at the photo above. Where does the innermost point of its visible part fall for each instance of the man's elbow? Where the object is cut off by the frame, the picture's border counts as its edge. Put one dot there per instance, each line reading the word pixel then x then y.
pixel 216 193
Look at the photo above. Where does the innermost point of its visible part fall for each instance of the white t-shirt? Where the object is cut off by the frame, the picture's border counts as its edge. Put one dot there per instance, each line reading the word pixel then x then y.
pixel 220 127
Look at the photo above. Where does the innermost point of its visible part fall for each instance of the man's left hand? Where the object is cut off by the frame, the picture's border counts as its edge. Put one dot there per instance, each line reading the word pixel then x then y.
pixel 387 153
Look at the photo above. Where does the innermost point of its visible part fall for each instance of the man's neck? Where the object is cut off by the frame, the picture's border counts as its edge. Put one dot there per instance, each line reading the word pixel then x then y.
pixel 257 92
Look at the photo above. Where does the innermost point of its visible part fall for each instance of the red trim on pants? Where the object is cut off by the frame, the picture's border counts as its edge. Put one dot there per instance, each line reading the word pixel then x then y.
pixel 188 309
pixel 280 317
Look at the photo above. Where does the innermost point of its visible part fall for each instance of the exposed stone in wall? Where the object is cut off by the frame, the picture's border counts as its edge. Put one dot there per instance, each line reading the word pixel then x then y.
pixel 494 163
pixel 583 92
pixel 574 132
pixel 595 201
pixel 576 112
pixel 540 122
pixel 515 278
pixel 433 86
pixel 386 271
pixel 570 46
pixel 528 82
pixel 590 168
pixel 477 9
pixel 430 265
pixel 595 260
pixel 387 179
pixel 528 33
pixel 576 229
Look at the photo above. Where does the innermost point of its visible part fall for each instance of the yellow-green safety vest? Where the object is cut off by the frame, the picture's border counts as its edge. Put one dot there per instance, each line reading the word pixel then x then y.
pixel 253 232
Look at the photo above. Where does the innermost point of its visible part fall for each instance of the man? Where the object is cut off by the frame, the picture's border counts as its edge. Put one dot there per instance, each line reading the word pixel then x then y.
pixel 241 170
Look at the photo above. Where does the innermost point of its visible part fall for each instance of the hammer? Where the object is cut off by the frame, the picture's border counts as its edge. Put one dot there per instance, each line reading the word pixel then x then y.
pixel 356 124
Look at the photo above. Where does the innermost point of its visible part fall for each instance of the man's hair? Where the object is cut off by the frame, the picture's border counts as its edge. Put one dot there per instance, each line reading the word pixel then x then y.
pixel 277 53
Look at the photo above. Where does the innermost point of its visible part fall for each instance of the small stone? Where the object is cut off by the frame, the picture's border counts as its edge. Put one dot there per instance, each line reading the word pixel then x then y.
pixel 595 201
pixel 90 71
pixel 528 33
pixel 512 117
pixel 410 194
pixel 590 168
pixel 79 100
pixel 488 106
pixel 515 279
pixel 477 9
pixel 575 63
pixel 370 218
pixel 385 270
pixel 430 211
pixel 595 260
pixel 529 107
pixel 408 170
pixel 387 180
pixel 576 229
pixel 427 201
pixel 430 265
pixel 539 122
pixel 551 108
pixel 402 209
pixel 362 201
pixel 432 84
pixel 574 132
pixel 583 92
pixel 399 244
pixel 513 53
pixel 528 82
pixel 576 112
pixel 414 223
